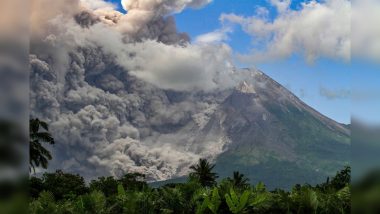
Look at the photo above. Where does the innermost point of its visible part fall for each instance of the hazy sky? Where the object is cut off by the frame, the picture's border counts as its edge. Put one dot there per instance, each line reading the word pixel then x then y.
pixel 323 82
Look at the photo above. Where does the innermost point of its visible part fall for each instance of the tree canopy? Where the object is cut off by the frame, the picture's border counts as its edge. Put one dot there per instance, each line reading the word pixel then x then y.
pixel 61 192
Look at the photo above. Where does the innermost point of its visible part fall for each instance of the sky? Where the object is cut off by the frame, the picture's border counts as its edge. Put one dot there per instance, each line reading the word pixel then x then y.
pixel 324 83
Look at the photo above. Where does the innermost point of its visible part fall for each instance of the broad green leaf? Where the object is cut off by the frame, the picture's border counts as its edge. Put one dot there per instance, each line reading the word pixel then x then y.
pixel 230 204
pixel 234 197
pixel 202 207
pixel 243 200
pixel 213 201
pixel 259 199
pixel 120 190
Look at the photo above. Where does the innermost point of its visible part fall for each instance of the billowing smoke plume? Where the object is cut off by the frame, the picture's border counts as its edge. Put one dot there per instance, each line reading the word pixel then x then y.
pixel 147 19
pixel 126 92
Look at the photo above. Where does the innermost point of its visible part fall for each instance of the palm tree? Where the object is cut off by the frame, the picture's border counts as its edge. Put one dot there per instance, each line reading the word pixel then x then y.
pixel 39 156
pixel 203 173
pixel 239 180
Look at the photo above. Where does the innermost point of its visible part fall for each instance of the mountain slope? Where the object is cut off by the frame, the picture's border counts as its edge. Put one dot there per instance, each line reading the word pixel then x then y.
pixel 279 139
pixel 272 136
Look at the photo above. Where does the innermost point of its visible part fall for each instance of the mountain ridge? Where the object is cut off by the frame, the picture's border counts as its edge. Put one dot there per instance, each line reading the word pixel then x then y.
pixel 254 117
pixel 318 148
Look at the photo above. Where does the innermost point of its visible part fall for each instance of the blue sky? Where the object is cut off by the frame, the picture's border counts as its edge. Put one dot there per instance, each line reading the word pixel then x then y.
pixel 302 78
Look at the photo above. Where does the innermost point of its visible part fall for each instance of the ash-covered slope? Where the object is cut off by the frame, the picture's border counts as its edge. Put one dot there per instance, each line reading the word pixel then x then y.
pixel 277 138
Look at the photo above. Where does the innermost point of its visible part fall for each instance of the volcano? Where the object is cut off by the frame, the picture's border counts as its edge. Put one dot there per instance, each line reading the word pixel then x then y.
pixel 108 122
pixel 277 138
pixel 273 136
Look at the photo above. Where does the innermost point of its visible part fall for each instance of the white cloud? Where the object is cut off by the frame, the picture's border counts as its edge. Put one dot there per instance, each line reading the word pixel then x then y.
pixel 281 5
pixel 262 12
pixel 162 7
pixel 317 29
pixel 366 29
pixel 194 67
pixel 216 36
pixel 97 4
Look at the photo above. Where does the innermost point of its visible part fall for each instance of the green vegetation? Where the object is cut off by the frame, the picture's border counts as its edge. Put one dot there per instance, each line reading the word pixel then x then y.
pixel 61 192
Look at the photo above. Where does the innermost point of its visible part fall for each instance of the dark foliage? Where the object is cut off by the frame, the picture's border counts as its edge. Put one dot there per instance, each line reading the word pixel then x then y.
pixel 36 186
pixel 107 185
pixel 341 179
pixel 65 193
pixel 38 134
pixel 64 185
pixel 238 180
pixel 203 173
pixel 133 181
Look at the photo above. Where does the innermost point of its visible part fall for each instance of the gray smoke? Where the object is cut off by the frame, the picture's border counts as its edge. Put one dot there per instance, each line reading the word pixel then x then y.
pixel 126 101
pixel 106 121
pixel 142 12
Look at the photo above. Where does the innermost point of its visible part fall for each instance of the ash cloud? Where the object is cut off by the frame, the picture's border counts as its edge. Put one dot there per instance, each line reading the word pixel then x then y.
pixel 121 100
pixel 149 19
pixel 108 121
